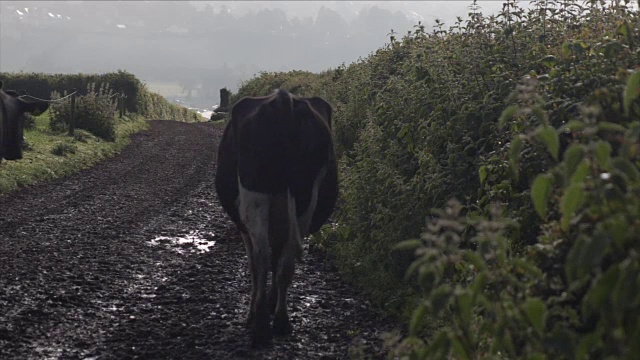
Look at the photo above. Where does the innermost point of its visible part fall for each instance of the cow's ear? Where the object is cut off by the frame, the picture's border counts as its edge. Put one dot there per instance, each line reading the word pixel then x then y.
pixel 322 107
pixel 35 108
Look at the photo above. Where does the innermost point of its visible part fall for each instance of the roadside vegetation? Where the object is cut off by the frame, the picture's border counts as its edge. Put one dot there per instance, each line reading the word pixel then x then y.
pixel 100 132
pixel 490 183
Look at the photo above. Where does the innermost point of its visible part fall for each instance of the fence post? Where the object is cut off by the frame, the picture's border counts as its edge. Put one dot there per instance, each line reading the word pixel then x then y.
pixel 72 123
pixel 121 104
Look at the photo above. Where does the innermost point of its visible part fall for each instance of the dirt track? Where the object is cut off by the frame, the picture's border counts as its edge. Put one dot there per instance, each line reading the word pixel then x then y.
pixel 90 267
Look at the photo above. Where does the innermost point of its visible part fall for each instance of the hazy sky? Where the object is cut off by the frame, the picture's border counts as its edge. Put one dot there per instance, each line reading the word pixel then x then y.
pixel 191 49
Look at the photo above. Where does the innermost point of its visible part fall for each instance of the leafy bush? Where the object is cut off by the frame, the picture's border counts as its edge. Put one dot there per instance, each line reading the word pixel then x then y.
pixel 526 109
pixel 573 294
pixel 138 98
pixel 64 148
pixel 95 112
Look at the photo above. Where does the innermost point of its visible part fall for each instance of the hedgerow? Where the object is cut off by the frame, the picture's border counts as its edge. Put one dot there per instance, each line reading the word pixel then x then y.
pixel 530 119
pixel 138 98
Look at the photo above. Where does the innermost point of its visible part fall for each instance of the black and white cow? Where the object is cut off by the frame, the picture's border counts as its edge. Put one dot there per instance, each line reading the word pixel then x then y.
pixel 277 180
pixel 12 110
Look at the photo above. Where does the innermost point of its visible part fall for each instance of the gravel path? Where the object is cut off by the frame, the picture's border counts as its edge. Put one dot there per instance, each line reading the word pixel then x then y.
pixel 135 258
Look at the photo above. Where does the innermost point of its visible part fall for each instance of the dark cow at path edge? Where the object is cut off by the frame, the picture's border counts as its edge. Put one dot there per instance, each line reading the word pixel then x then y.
pixel 277 180
pixel 12 110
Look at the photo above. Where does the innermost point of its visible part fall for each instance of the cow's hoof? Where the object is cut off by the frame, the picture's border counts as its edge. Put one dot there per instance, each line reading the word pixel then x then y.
pixel 282 327
pixel 261 339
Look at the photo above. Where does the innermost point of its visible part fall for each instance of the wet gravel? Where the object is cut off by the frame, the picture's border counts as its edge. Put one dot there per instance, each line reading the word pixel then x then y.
pixel 135 258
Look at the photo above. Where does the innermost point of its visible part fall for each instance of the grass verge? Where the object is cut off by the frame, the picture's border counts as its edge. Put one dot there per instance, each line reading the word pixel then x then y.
pixel 51 156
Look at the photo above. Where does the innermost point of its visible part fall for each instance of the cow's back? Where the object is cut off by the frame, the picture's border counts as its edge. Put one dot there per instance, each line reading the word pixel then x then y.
pixel 274 144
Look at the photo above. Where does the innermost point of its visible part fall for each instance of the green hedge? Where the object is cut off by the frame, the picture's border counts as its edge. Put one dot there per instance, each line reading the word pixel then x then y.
pixel 536 106
pixel 138 98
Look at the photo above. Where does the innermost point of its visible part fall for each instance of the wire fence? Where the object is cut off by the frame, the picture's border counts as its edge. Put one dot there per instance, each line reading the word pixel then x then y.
pixel 72 103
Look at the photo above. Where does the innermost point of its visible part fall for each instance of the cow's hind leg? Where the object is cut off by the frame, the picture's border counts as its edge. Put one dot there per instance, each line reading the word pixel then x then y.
pixel 254 210
pixel 252 270
pixel 286 267
pixel 278 235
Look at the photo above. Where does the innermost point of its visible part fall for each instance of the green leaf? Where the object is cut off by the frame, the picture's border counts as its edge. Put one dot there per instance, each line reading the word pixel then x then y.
pixel 540 190
pixel 459 349
pixel 612 49
pixel 474 259
pixel 587 343
pixel 631 91
pixel 514 153
pixel 536 311
pixel 464 308
pixel 603 154
pixel 549 137
pixel 572 199
pixel 427 279
pixel 478 285
pixel 540 114
pixel 626 167
pixel 483 174
pixel 623 29
pixel 548 61
pixel 600 292
pixel 415 265
pixel 405 245
pixel 566 49
pixel 507 114
pixel 573 125
pixel 581 172
pixel 417 318
pixel 609 126
pixel 440 297
pixel 572 157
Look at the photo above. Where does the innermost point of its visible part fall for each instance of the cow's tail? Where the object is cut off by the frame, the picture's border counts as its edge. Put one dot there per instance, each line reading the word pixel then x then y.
pixel 284 230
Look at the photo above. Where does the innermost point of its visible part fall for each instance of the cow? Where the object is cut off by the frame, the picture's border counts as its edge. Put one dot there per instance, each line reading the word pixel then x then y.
pixel 12 110
pixel 277 180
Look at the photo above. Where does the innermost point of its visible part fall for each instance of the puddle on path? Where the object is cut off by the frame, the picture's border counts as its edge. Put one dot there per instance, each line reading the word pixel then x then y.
pixel 194 241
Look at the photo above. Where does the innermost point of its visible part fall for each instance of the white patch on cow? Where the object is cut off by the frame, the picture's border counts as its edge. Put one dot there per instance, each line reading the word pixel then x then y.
pixel 305 220
pixel 254 213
